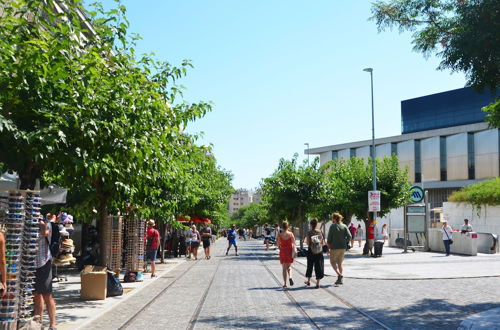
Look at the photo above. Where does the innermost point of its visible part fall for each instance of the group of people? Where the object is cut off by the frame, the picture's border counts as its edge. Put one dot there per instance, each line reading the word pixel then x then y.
pixel 193 237
pixel 336 241
pixel 448 234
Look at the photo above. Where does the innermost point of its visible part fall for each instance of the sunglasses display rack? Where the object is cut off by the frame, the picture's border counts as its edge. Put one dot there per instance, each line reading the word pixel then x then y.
pixel 19 215
pixel 112 232
pixel 134 245
pixel 30 238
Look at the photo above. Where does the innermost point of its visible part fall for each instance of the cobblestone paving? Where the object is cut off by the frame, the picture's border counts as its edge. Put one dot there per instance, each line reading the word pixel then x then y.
pixel 244 294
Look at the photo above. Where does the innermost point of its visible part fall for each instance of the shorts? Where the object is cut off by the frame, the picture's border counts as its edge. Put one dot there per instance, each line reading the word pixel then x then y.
pixel 43 278
pixel 195 245
pixel 151 254
pixel 206 244
pixel 188 243
pixel 337 256
pixel 370 243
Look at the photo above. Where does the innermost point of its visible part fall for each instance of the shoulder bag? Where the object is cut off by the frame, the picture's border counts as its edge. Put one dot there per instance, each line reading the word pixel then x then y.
pixel 451 241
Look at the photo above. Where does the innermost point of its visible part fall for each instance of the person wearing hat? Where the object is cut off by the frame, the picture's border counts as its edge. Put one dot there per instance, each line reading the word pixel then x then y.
pixel 152 244
pixel 447 236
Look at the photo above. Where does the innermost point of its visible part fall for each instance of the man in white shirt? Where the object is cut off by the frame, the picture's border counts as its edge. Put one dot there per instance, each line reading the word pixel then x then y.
pixel 466 227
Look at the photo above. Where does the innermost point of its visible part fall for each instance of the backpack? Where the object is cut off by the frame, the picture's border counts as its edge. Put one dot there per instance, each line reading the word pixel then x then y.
pixel 55 240
pixel 316 247
pixel 151 240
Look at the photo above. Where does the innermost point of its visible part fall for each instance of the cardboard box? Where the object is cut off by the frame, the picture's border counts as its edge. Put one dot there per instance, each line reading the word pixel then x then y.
pixel 94 281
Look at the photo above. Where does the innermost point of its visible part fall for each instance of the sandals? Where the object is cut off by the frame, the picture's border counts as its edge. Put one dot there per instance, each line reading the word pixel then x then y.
pixel 291 282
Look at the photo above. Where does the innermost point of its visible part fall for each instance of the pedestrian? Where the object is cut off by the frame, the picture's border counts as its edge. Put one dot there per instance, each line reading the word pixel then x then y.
pixel 267 236
pixel 385 233
pixel 315 242
pixel 359 234
pixel 447 236
pixel 466 227
pixel 338 237
pixel 206 237
pixel 371 236
pixel 352 230
pixel 187 242
pixel 276 234
pixel 194 236
pixel 286 244
pixel 231 238
pixel 152 243
pixel 43 275
pixel 241 233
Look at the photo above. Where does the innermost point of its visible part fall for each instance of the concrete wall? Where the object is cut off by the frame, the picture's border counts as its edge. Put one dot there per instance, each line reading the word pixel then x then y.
pixel 486 154
pixel 406 157
pixel 325 157
pixel 383 150
pixel 487 221
pixel 344 153
pixel 462 244
pixel 430 159
pixel 456 157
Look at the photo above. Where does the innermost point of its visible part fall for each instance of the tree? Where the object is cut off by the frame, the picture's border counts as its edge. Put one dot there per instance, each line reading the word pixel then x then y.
pixel 348 182
pixel 292 192
pixel 465 34
pixel 250 215
pixel 77 103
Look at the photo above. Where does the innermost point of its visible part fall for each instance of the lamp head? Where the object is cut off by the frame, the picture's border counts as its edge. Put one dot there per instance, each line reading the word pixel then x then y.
pixel 368 70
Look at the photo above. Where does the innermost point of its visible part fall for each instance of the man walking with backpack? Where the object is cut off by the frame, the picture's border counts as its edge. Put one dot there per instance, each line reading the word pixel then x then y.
pixel 152 244
pixel 43 272
pixel 338 238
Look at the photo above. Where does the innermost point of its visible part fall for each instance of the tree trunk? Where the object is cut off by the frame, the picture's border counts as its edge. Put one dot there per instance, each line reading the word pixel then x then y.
pixel 163 229
pixel 29 175
pixel 101 220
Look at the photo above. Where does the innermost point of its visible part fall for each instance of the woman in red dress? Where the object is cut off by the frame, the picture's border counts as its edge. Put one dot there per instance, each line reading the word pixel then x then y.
pixel 286 243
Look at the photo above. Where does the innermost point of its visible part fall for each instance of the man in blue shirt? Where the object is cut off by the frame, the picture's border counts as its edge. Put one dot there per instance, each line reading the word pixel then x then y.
pixel 231 238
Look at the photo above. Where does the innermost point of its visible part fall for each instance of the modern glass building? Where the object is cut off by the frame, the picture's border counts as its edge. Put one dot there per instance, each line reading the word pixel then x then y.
pixel 452 108
pixel 445 143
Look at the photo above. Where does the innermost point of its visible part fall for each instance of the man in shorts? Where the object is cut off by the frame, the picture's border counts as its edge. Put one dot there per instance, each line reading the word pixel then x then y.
pixel 43 276
pixel 206 237
pixel 338 238
pixel 152 244
pixel 231 238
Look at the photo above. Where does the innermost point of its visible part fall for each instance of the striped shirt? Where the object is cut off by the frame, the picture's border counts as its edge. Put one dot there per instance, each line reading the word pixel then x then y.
pixel 43 252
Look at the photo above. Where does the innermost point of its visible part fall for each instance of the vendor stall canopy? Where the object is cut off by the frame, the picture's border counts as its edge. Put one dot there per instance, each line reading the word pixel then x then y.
pixel 195 219
pixel 50 195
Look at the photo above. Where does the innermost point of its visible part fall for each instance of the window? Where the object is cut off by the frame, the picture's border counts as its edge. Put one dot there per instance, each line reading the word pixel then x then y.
pixel 470 156
pixel 335 155
pixel 353 152
pixel 418 162
pixel 442 158
pixel 394 149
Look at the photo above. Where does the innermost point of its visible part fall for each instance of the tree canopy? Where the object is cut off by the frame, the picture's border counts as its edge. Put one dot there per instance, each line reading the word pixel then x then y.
pixel 465 34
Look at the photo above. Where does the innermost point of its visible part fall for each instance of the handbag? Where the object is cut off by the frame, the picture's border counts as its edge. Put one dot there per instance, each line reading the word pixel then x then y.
pixel 325 248
pixel 451 241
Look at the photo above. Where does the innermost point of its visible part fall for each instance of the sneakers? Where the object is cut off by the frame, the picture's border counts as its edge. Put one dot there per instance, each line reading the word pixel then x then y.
pixel 339 280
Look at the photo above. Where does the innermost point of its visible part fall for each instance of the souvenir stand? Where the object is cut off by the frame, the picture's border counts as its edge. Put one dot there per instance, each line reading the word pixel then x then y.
pixel 19 217
pixel 134 245
pixel 112 232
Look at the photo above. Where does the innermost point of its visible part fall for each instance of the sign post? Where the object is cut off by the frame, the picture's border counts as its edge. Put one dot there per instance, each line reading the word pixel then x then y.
pixel 374 201
pixel 415 215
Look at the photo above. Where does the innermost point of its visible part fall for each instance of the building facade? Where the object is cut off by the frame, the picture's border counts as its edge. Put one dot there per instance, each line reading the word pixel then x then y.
pixel 445 143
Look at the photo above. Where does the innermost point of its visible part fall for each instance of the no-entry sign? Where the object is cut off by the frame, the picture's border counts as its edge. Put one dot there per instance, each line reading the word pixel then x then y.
pixel 374 201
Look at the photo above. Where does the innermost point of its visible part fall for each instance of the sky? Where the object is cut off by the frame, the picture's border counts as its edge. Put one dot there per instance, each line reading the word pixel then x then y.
pixel 282 73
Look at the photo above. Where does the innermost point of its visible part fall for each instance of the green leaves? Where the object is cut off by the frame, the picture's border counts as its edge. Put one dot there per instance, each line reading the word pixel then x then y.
pixel 479 194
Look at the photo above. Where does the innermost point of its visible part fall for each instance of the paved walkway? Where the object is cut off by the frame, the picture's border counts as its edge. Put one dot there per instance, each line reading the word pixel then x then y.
pixel 245 292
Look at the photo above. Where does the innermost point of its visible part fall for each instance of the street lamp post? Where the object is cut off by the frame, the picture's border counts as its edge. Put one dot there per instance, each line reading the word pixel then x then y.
pixel 374 183
pixel 307 144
